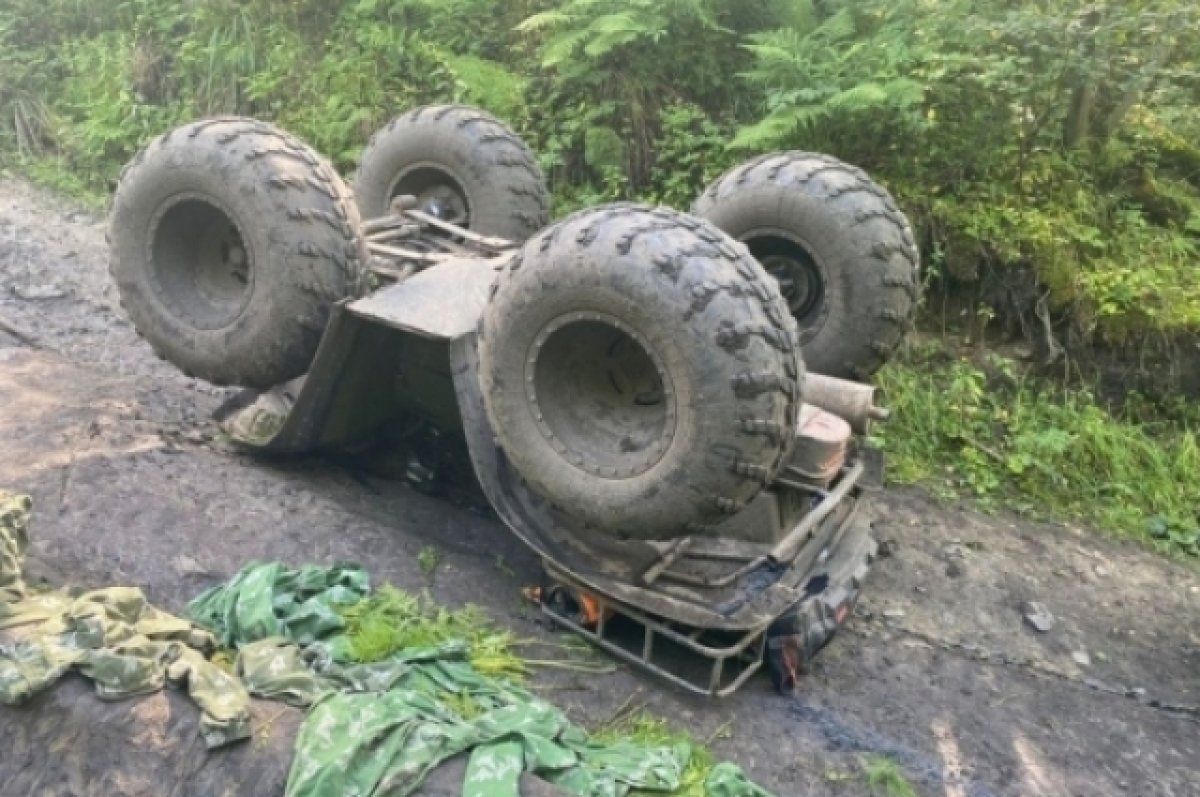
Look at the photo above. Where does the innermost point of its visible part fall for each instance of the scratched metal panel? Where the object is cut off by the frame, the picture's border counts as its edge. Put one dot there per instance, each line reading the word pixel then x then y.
pixel 443 302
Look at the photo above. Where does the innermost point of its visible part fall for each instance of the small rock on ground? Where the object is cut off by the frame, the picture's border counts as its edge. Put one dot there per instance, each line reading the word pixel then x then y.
pixel 1039 617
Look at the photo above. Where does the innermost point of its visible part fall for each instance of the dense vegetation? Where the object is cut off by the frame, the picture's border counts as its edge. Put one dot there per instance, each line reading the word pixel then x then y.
pixel 980 427
pixel 1045 149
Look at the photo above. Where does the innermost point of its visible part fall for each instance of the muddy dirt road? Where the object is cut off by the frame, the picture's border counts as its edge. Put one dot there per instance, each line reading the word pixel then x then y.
pixel 939 670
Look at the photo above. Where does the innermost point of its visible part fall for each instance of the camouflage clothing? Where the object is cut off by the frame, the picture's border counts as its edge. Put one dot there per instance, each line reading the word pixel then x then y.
pixel 278 669
pixel 111 636
pixel 374 729
pixel 17 606
pixel 386 742
pixel 381 728
pixel 270 600
pixel 14 539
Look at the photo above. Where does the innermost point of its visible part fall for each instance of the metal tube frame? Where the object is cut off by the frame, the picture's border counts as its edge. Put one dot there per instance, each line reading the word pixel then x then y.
pixel 426 241
pixel 749 648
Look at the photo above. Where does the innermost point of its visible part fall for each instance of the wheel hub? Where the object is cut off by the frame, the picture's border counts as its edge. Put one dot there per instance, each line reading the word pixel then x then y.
pixel 437 191
pixel 201 262
pixel 600 395
pixel 800 286
pixel 800 276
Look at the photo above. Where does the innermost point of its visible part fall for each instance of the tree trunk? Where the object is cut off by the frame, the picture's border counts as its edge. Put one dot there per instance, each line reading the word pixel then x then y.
pixel 1078 125
pixel 1139 85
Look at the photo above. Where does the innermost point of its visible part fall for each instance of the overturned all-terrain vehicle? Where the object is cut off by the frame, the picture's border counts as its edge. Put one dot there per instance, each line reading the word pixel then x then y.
pixel 630 381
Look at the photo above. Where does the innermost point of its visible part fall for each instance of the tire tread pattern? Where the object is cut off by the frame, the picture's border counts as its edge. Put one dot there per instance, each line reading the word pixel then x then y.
pixel 311 208
pixel 765 381
pixel 869 213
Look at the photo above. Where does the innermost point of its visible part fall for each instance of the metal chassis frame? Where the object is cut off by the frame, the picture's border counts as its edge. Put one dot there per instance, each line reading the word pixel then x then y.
pixel 751 646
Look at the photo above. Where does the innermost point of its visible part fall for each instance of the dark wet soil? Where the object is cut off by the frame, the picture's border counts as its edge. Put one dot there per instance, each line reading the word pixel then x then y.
pixel 939 670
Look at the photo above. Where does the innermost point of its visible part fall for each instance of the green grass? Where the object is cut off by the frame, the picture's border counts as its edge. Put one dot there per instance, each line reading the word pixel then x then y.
pixel 391 620
pixel 885 777
pixel 645 729
pixel 54 173
pixel 982 429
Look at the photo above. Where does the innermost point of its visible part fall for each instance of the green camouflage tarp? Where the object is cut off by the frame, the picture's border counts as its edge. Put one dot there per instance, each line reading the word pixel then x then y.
pixel 270 600
pixel 380 728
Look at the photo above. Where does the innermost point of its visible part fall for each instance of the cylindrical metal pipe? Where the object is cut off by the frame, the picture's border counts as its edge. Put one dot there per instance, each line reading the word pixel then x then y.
pixel 853 401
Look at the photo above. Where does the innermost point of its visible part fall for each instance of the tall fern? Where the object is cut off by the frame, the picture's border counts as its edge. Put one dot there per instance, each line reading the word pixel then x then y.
pixel 614 65
pixel 841 67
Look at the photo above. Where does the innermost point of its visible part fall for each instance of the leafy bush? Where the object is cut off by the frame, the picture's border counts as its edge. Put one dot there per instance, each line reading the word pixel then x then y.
pixel 691 152
pixel 1024 137
pixel 985 430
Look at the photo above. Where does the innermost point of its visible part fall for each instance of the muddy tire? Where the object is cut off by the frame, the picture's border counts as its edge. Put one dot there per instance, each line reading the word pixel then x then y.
pixel 640 370
pixel 463 165
pixel 230 242
pixel 843 253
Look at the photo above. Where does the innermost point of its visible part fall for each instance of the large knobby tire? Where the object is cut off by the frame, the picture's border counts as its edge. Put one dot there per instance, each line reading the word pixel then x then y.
pixel 230 242
pixel 641 370
pixel 463 165
pixel 843 253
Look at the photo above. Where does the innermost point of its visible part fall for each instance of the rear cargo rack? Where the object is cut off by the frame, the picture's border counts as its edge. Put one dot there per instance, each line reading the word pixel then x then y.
pixel 716 663
pixel 731 657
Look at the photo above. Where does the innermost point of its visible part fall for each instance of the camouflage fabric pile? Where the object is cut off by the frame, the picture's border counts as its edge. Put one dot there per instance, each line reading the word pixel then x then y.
pixel 373 728
pixel 111 636
pixel 386 743
pixel 380 728
pixel 270 600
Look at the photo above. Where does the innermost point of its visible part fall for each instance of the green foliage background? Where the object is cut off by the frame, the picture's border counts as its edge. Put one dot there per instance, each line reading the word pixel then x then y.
pixel 978 426
pixel 1045 150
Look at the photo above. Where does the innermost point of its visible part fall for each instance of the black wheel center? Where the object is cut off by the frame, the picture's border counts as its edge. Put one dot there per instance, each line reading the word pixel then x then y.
pixel 438 193
pixel 234 261
pixel 801 280
pixel 601 398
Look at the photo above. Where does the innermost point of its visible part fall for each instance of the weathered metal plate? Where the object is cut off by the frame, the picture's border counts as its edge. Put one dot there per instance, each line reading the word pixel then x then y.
pixel 348 392
pixel 444 302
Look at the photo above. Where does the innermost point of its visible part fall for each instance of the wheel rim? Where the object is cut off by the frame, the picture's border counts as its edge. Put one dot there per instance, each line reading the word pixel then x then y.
pixel 601 395
pixel 800 276
pixel 438 193
pixel 200 261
